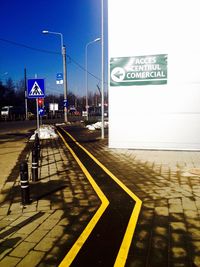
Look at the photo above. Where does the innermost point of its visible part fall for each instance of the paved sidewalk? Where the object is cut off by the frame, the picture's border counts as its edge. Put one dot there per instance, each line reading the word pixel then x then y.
pixel 168 183
pixel 62 202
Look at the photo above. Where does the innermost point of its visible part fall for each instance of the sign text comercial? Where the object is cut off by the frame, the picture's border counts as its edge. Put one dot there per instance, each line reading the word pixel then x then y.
pixel 138 70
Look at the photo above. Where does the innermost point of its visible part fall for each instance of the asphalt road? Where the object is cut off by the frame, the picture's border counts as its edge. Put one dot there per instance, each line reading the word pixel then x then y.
pixel 22 126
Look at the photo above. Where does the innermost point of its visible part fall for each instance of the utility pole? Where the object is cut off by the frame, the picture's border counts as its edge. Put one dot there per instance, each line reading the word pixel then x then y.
pixel 65 82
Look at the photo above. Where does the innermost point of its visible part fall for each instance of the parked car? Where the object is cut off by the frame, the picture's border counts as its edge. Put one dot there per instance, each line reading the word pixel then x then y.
pixel 5 112
pixel 12 113
pixel 31 116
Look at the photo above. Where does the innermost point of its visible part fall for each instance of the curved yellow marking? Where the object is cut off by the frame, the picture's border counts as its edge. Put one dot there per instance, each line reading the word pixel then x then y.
pixel 124 248
pixel 90 226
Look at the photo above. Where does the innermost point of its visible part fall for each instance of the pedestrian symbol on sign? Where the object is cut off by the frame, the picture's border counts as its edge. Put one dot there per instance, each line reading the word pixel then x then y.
pixel 35 90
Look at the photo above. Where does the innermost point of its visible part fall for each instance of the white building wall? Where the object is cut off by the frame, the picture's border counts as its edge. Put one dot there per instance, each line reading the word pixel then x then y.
pixel 156 116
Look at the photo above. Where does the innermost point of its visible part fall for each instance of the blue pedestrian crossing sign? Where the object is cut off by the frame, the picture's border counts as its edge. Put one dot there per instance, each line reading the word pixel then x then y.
pixel 36 88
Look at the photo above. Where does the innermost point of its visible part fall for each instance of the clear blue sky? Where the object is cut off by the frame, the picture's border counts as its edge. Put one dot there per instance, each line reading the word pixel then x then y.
pixel 22 23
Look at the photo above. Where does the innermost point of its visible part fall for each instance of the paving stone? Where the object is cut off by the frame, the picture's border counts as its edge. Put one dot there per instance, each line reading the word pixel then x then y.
pixel 12 241
pixel 28 229
pixel 20 221
pixel 69 200
pixel 194 233
pixel 57 231
pixel 179 252
pixel 84 203
pixel 57 205
pixel 32 259
pixel 48 224
pixel 4 211
pixel 175 208
pixel 4 223
pixel 7 232
pixel 162 231
pixel 178 226
pixel 57 215
pixel 49 261
pixel 5 204
pixel 192 215
pixel 175 201
pixel 29 214
pixel 4 251
pixel 22 250
pixel 188 204
pixel 36 236
pixel 159 242
pixel 8 185
pixel 177 217
pixel 46 244
pixel 162 211
pixel 65 221
pixel 16 208
pixel 9 261
pixel 196 261
pixel 84 218
pixel 43 208
pixel 19 236
pixel 177 238
pixel 43 202
pixel 196 245
pixel 143 235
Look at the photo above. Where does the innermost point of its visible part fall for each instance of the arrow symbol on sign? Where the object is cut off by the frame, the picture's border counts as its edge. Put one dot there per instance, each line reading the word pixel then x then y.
pixel 118 74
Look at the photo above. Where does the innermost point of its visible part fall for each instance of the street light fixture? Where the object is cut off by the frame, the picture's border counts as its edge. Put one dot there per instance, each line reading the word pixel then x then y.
pixel 63 51
pixel 86 74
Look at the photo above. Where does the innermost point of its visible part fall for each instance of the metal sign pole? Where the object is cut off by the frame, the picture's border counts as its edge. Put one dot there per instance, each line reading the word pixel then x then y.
pixel 38 122
pixel 36 89
pixel 25 95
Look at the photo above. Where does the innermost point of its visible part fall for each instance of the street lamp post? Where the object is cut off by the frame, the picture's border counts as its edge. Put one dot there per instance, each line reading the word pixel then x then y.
pixel 63 51
pixel 102 69
pixel 86 73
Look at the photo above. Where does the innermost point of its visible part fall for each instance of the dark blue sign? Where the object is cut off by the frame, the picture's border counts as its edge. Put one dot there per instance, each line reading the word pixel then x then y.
pixel 36 88
pixel 65 103
pixel 41 111
pixel 59 78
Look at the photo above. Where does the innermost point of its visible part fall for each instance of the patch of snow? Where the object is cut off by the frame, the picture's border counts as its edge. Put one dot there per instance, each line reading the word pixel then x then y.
pixel 90 127
pixel 60 124
pixel 97 126
pixel 45 132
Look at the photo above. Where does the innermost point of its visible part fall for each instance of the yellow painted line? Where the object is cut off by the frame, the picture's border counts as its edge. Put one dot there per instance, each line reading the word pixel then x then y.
pixel 124 248
pixel 68 259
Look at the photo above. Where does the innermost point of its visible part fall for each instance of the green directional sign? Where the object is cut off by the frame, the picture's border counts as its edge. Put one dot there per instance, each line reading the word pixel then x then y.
pixel 138 70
